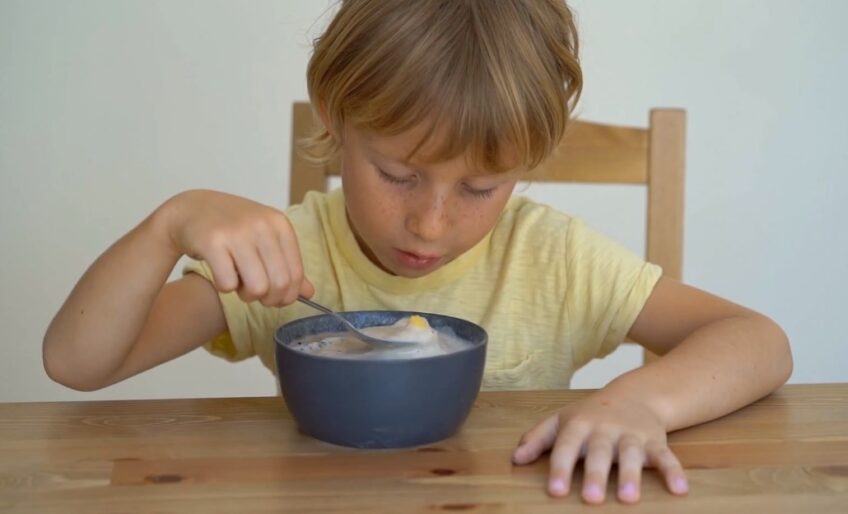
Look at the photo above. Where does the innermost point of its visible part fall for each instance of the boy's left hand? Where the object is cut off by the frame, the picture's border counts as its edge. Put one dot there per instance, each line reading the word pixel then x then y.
pixel 603 429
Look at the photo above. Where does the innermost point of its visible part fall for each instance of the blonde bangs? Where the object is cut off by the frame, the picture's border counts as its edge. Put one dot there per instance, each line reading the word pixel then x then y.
pixel 495 81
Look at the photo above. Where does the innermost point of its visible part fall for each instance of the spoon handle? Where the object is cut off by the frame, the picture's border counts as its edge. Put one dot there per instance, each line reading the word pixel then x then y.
pixel 350 326
pixel 317 306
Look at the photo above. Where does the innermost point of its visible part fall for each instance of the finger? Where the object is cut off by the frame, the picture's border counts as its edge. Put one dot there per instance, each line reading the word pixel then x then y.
pixel 291 250
pixel 279 276
pixel 254 278
pixel 631 460
pixel 224 273
pixel 564 455
pixel 596 467
pixel 666 462
pixel 306 288
pixel 536 441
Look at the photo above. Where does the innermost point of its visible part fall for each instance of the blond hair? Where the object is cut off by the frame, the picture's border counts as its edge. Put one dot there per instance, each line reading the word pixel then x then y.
pixel 491 77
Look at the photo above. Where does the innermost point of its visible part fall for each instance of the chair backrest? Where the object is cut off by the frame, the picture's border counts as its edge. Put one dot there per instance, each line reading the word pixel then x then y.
pixel 589 153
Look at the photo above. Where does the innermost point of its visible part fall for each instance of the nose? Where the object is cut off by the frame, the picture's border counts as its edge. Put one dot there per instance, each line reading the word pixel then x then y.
pixel 428 218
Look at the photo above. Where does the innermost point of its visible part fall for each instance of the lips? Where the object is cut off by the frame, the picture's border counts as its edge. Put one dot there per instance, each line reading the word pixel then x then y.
pixel 422 256
pixel 416 260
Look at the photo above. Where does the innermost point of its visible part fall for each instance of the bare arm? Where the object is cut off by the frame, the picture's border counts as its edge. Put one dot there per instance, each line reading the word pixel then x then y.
pixel 185 314
pixel 121 318
pixel 717 356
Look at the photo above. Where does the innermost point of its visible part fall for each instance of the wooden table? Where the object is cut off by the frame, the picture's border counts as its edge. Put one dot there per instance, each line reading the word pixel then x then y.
pixel 786 453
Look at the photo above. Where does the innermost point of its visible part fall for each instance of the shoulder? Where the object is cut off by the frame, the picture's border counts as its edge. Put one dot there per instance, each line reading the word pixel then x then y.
pixel 538 234
pixel 526 221
pixel 310 218
pixel 544 224
pixel 314 205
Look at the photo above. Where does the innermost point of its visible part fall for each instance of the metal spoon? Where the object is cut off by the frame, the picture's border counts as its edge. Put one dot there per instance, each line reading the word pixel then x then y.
pixel 351 328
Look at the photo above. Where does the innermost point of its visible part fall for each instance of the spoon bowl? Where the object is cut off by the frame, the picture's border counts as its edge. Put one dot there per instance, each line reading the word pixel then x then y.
pixel 350 327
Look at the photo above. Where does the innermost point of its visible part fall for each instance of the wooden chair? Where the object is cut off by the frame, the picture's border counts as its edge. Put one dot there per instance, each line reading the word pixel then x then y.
pixel 589 153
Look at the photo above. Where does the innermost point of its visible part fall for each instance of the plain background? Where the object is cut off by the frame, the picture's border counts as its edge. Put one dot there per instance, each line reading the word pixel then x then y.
pixel 107 108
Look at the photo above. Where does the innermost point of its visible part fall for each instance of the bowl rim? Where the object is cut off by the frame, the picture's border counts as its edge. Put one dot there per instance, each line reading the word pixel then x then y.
pixel 472 346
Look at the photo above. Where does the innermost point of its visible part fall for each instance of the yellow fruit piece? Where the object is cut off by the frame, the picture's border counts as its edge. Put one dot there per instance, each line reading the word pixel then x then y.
pixel 418 321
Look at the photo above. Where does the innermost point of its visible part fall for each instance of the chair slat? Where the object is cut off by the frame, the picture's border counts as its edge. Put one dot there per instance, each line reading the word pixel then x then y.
pixel 593 152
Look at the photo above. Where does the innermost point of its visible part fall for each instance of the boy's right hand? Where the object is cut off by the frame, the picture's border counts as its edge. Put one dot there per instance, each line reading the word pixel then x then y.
pixel 251 248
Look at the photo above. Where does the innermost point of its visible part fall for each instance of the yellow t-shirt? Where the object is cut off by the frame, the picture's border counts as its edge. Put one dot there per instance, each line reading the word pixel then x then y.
pixel 551 293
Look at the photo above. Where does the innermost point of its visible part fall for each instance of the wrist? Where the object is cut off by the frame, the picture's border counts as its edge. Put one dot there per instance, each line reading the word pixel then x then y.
pixel 651 396
pixel 160 227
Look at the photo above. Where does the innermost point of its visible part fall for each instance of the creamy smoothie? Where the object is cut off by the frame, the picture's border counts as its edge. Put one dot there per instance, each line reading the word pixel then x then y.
pixel 424 340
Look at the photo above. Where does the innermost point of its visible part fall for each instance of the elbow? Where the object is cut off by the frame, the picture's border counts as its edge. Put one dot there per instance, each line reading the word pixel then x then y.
pixel 789 363
pixel 781 351
pixel 58 370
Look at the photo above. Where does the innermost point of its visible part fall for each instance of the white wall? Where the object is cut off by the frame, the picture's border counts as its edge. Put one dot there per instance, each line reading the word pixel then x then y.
pixel 107 108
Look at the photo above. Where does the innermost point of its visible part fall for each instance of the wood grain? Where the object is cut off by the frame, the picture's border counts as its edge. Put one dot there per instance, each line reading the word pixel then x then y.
pixel 786 453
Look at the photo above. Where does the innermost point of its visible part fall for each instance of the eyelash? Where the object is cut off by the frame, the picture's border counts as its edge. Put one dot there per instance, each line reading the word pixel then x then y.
pixel 480 193
pixel 391 179
pixel 477 193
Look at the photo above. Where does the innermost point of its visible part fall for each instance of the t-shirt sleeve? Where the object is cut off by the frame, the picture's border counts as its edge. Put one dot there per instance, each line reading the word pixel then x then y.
pixel 236 343
pixel 606 287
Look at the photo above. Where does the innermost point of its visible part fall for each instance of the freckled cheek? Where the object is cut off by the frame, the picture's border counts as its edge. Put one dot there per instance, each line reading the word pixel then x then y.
pixel 383 212
pixel 483 218
pixel 386 210
pixel 472 220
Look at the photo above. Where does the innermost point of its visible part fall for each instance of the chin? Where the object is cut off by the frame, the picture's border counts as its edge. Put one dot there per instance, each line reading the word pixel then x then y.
pixel 416 274
pixel 401 271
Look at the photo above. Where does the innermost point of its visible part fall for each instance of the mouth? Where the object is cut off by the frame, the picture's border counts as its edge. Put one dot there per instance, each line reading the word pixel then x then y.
pixel 416 261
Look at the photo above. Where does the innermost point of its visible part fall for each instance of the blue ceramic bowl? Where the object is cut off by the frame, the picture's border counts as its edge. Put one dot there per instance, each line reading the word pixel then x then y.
pixel 379 403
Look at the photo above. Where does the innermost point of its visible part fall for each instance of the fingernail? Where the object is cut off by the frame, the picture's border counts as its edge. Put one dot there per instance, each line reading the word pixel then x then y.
pixel 628 490
pixel 680 485
pixel 592 491
pixel 557 486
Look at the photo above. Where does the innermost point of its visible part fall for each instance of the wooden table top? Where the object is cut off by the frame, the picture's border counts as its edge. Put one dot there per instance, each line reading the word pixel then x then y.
pixel 786 453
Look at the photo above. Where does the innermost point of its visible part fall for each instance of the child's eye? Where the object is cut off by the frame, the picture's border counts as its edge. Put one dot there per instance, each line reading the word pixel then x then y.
pixel 391 179
pixel 480 193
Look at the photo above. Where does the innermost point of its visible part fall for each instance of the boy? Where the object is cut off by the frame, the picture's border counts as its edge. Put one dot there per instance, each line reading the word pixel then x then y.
pixel 436 108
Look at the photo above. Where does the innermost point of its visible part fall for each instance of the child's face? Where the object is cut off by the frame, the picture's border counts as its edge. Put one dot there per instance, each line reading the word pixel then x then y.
pixel 412 218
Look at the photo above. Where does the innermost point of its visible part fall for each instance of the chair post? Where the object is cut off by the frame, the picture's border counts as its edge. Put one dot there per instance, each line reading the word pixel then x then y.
pixel 666 161
pixel 305 176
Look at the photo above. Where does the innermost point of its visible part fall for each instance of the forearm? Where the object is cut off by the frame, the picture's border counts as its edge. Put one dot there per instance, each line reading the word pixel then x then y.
pixel 717 369
pixel 96 327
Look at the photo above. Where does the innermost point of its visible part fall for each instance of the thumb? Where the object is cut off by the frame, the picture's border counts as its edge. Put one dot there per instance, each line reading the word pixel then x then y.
pixel 536 441
pixel 306 288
